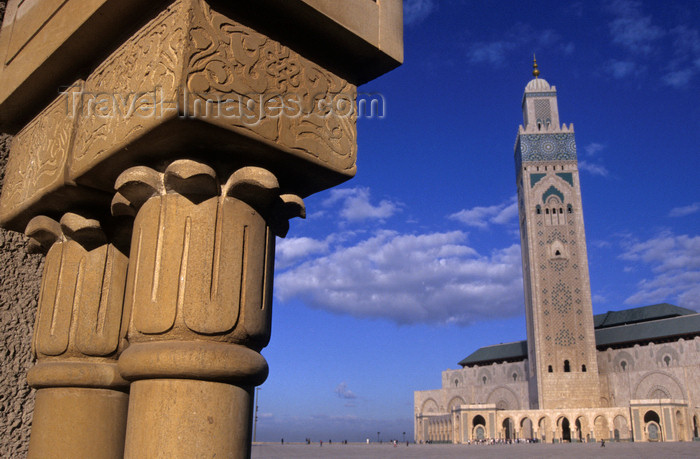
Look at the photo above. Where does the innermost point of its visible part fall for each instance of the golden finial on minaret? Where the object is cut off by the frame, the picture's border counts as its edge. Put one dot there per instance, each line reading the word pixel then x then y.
pixel 535 71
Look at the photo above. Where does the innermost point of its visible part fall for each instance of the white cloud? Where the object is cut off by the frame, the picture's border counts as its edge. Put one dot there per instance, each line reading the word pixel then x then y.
pixel 622 69
pixel 631 29
pixel 490 52
pixel 568 48
pixel 679 78
pixel 481 217
pixel 594 169
pixel 292 249
pixel 415 11
pixel 598 299
pixel 675 266
pixel 520 36
pixel 685 210
pixel 686 57
pixel 342 391
pixel 355 205
pixel 405 278
pixel 594 148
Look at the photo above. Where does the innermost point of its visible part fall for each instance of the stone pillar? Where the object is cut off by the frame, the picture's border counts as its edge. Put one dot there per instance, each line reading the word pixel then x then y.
pixel 81 401
pixel 200 292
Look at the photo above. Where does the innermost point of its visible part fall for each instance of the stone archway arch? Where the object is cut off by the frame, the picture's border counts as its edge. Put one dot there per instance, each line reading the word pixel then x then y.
pixel 504 396
pixel 621 428
pixel 429 406
pixel 455 402
pixel 659 379
pixel 527 427
pixel 564 428
pixel 544 428
pixel 582 432
pixel 601 428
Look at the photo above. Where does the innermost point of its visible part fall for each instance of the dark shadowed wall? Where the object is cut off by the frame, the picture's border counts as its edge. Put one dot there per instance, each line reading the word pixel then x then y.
pixel 20 275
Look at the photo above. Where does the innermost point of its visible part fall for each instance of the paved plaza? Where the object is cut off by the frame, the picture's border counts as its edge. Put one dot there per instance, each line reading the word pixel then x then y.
pixel 515 451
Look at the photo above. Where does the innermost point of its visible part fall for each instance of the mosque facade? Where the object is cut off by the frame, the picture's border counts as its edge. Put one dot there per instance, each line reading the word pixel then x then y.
pixel 631 375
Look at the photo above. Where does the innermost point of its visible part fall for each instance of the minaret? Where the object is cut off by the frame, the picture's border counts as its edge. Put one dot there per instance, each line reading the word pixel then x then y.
pixel 561 342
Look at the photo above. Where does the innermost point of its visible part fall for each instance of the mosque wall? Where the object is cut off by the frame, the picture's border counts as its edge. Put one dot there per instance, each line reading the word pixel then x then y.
pixel 653 371
pixel 660 377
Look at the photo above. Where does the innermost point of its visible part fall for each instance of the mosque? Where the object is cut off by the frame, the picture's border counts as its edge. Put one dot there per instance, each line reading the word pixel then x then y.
pixel 631 375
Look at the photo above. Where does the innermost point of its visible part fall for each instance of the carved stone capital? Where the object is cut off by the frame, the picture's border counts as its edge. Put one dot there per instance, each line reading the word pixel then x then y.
pixel 202 255
pixel 78 332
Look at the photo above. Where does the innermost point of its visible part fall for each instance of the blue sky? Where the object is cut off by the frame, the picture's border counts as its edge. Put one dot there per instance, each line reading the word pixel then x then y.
pixel 415 263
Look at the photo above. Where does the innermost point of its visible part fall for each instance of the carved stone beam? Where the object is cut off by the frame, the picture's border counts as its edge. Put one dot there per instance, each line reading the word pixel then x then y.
pixel 81 401
pixel 200 291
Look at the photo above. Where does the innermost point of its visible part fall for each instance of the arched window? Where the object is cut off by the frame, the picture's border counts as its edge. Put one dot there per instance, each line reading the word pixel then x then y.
pixel 569 209
pixel 667 359
pixel 583 368
pixel 538 209
pixel 515 376
pixel 623 364
pixel 549 369
pixel 546 211
pixel 567 368
pixel 456 382
pixel 484 379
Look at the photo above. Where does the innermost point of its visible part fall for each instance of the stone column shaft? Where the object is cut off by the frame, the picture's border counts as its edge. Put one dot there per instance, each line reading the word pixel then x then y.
pixel 199 287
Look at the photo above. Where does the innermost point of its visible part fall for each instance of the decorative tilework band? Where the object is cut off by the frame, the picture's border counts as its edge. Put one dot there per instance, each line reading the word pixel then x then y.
pixel 545 147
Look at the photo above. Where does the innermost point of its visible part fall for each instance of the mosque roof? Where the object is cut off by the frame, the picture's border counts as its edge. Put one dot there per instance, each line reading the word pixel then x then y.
pixel 634 315
pixel 612 329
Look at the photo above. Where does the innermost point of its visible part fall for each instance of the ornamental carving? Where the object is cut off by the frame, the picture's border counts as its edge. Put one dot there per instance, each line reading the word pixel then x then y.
pixel 38 155
pixel 286 98
pixel 191 62
pixel 130 92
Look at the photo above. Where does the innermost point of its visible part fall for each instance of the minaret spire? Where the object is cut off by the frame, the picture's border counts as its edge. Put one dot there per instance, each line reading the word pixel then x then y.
pixel 535 71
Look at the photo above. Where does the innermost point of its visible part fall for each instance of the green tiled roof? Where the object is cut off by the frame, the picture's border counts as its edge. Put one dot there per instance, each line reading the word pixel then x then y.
pixel 498 352
pixel 674 327
pixel 613 328
pixel 643 314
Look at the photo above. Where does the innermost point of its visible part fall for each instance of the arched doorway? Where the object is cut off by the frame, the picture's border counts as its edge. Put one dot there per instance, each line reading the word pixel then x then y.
pixel 600 428
pixel 479 430
pixel 622 431
pixel 544 429
pixel 526 429
pixel 581 429
pixel 652 425
pixel 565 430
pixel 508 429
